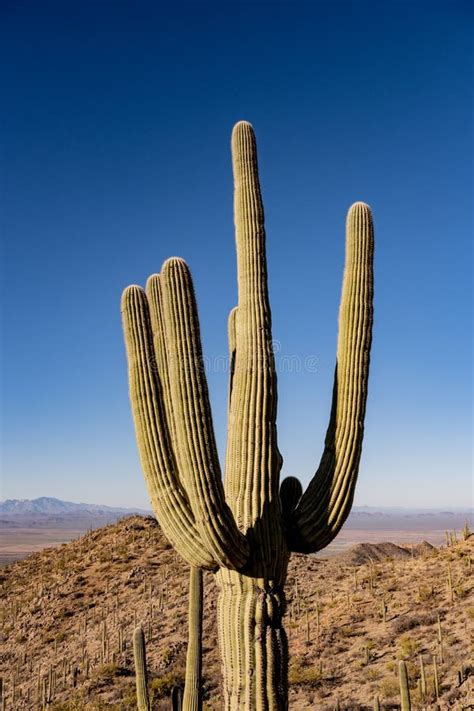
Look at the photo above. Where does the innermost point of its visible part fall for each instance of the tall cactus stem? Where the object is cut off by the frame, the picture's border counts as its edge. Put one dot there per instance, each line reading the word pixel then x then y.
pixel 405 703
pixel 435 677
pixel 192 698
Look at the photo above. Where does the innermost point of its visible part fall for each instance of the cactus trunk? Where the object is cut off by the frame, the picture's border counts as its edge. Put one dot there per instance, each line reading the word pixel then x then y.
pixel 253 643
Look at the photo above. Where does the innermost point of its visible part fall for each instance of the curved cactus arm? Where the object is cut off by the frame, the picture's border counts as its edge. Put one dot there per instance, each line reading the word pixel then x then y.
pixel 168 497
pixel 253 461
pixel 328 499
pixel 196 450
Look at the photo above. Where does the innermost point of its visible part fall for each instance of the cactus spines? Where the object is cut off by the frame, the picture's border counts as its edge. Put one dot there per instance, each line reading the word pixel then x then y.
pixel 244 529
pixel 192 698
pixel 141 676
pixel 404 688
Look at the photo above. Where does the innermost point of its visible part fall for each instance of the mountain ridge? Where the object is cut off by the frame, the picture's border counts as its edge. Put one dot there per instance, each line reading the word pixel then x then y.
pixel 50 505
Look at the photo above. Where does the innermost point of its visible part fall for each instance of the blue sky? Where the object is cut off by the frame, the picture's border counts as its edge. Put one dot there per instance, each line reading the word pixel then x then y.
pixel 115 145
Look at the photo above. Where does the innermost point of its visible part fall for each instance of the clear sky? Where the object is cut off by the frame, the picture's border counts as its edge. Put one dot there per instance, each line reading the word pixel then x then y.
pixel 116 154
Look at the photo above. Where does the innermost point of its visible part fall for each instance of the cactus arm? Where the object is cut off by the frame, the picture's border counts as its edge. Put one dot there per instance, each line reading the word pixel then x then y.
pixel 196 450
pixel 155 298
pixel 168 498
pixel 252 461
pixel 328 499
pixel 192 698
pixel 155 301
pixel 141 676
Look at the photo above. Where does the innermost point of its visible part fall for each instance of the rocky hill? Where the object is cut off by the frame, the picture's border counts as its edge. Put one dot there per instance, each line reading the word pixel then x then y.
pixel 68 615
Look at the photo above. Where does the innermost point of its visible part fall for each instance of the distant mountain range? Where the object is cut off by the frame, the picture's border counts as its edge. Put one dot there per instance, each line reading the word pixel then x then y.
pixel 48 505
pixel 361 516
pixel 32 524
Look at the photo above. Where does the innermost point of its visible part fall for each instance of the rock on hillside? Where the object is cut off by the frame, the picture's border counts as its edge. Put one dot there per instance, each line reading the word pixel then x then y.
pixel 68 615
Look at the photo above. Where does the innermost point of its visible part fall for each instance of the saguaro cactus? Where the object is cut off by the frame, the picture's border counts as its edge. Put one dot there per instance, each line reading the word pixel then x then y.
pixel 241 532
pixel 404 687
pixel 141 676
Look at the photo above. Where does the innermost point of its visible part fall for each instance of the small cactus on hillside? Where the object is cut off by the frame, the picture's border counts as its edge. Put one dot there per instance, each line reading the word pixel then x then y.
pixel 466 531
pixel 141 675
pixel 404 687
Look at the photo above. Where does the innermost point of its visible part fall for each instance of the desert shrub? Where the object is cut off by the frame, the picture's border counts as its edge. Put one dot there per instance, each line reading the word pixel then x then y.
pixel 298 674
pixel 403 624
pixel 162 686
pixel 389 688
pixel 372 674
pixel 129 698
pixel 77 702
pixel 407 646
pixel 347 631
pixel 470 612
pixel 425 593
pixel 107 672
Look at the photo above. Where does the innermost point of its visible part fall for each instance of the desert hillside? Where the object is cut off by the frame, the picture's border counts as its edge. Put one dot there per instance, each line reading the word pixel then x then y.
pixel 68 615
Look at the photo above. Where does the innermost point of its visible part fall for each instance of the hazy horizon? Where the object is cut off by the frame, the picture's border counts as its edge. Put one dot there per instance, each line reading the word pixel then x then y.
pixel 116 135
pixel 147 507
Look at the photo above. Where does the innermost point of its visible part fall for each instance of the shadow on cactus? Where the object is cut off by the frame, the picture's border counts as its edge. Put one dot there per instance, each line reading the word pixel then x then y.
pixel 239 529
